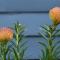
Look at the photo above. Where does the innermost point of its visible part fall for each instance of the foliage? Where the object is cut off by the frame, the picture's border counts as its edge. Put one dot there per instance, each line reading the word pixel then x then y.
pixel 52 49
pixel 18 49
pixel 13 47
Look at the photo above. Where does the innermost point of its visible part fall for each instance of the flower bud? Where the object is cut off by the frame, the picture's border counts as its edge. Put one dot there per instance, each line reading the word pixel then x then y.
pixel 6 34
pixel 54 14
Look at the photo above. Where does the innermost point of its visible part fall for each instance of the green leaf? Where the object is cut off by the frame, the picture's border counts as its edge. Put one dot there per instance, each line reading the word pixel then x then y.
pixel 47 53
pixel 43 44
pixel 20 38
pixel 9 56
pixel 44 55
pixel 23 48
pixel 45 27
pixel 24 43
pixel 43 36
pixel 15 54
pixel 19 28
pixel 57 31
pixel 22 51
pixel 56 49
pixel 57 42
pixel 57 53
pixel 6 51
pixel 46 30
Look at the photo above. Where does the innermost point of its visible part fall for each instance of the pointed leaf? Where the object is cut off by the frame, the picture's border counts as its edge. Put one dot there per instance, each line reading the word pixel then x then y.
pixel 9 56
pixel 43 36
pixel 57 42
pixel 15 54
pixel 43 44
pixel 56 49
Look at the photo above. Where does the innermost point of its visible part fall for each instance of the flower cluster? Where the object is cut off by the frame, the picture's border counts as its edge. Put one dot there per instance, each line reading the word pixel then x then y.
pixel 6 34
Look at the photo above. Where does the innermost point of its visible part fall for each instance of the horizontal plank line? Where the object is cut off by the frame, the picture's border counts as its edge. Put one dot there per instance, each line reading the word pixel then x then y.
pixel 33 36
pixel 32 59
pixel 36 36
pixel 20 12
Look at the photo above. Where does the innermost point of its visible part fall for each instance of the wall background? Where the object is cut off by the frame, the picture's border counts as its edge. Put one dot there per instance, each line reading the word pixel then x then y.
pixel 28 5
pixel 31 21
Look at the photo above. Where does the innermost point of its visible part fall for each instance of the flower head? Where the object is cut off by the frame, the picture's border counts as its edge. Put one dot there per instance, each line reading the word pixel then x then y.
pixel 54 14
pixel 6 34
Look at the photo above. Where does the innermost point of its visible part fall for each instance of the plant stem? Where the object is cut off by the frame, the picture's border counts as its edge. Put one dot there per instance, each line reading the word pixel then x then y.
pixel 49 52
pixel 17 39
pixel 50 56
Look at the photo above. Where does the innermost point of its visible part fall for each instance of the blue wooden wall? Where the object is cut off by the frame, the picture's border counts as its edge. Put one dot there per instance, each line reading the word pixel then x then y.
pixel 31 21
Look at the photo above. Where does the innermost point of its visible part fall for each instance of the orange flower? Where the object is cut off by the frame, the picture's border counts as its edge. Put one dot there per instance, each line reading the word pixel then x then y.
pixel 6 34
pixel 54 14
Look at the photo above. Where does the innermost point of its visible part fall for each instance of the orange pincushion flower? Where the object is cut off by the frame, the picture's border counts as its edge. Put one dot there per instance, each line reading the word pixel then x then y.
pixel 55 15
pixel 6 34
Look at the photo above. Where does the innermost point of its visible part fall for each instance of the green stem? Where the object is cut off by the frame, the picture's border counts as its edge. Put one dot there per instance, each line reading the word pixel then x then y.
pixel 49 52
pixel 17 43
pixel 4 57
pixel 50 56
pixel 17 39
